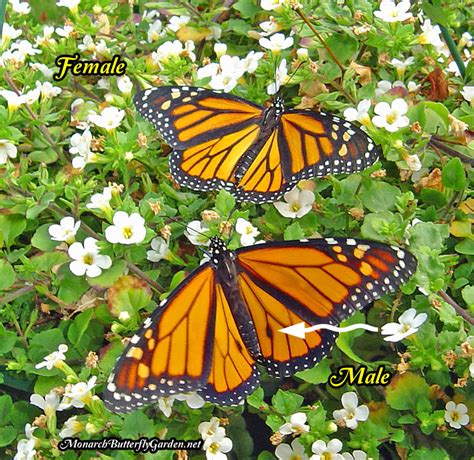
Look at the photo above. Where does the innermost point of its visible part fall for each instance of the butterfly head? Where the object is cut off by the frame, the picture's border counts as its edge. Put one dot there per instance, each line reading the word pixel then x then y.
pixel 278 105
pixel 217 248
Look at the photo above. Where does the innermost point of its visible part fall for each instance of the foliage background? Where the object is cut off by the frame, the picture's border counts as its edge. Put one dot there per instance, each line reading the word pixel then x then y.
pixel 44 305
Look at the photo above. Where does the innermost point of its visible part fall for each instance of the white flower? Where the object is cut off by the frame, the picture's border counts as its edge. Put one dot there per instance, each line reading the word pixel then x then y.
pixel 25 450
pixel 413 162
pixel 408 323
pixel 250 62
pixel 80 146
pixel 29 430
pixel 87 44
pixel 391 117
pixel 295 452
pixel 71 4
pixel 25 48
pixel 456 415
pixel 127 229
pixel 192 399
pixel 14 101
pixel 101 200
pixel 466 39
pixel 71 427
pixel 412 86
pixel 7 150
pixel 20 7
pixel 54 359
pixel 401 66
pixel 110 118
pixel 49 404
pixel 195 233
pixel 281 78
pixel 298 203
pixel 124 84
pixel 247 231
pixel 48 91
pixel 352 413
pixel 220 49
pixel 467 93
pixel 177 22
pixel 65 231
pixel 87 259
pixel 9 33
pixel 165 404
pixel 173 49
pixel 65 31
pixel 78 394
pixel 224 75
pixel 431 35
pixel 154 31
pixel 276 42
pixel 393 12
pixel 217 446
pixel 453 66
pixel 160 250
pixel 356 455
pixel 329 451
pixel 270 5
pixel 361 113
pixel 297 424
pixel 32 96
pixel 302 54
pixel 384 86
pixel 269 27
pixel 44 69
pixel 209 429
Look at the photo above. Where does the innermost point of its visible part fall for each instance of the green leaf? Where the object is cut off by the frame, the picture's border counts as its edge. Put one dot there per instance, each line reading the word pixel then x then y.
pixel 468 295
pixel 111 275
pixel 406 390
pixel 247 8
pixel 435 11
pixel 47 155
pixel 293 232
pixel 286 402
pixel 79 326
pixel 7 275
pixel 428 234
pixel 11 226
pixel 343 46
pixel 128 294
pixel 256 398
pixel 6 404
pixel 225 203
pixel 42 240
pixel 45 262
pixel 7 435
pixel 453 175
pixel 318 374
pixel 433 197
pixel 465 247
pixel 432 454
pixel 137 425
pixel 72 287
pixel 44 343
pixel 379 196
pixel 7 340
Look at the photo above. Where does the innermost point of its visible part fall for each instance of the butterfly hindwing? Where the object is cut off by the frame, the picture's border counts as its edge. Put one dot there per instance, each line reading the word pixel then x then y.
pixel 314 281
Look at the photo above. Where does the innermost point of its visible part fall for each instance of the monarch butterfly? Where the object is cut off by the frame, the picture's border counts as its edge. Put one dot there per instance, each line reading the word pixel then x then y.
pixel 257 153
pixel 212 330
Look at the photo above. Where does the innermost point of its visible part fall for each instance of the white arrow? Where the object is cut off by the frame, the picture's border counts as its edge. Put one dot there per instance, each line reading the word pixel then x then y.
pixel 299 330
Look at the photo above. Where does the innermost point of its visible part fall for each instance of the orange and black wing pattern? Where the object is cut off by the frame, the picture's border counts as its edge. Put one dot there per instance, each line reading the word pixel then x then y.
pixel 224 141
pixel 314 281
pixel 191 342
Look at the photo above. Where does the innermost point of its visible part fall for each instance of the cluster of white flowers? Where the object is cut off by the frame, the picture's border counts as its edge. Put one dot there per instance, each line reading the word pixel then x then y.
pixel 225 74
pixel 349 416
pixel 216 444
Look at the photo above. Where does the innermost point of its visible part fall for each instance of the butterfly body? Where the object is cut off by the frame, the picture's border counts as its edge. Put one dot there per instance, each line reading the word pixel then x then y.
pixel 210 333
pixel 257 153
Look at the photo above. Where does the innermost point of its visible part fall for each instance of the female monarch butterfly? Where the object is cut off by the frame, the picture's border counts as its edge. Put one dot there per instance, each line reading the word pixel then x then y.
pixel 257 153
pixel 213 329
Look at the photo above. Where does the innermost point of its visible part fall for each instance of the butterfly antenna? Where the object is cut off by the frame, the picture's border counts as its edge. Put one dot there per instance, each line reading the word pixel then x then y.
pixel 176 221
pixel 294 72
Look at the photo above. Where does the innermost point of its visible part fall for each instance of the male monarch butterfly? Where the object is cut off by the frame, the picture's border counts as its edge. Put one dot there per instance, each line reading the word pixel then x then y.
pixel 223 319
pixel 257 153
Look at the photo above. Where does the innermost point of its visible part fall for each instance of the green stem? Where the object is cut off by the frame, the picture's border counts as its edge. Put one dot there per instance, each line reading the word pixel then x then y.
pixel 3 5
pixel 453 50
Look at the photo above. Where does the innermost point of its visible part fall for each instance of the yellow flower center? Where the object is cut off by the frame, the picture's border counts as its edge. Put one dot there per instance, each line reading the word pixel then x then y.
pixel 214 448
pixel 295 207
pixel 455 416
pixel 127 232
pixel 391 118
pixel 88 259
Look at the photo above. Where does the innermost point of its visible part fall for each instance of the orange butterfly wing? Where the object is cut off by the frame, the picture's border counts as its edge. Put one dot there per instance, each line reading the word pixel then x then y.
pixel 317 281
pixel 191 342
